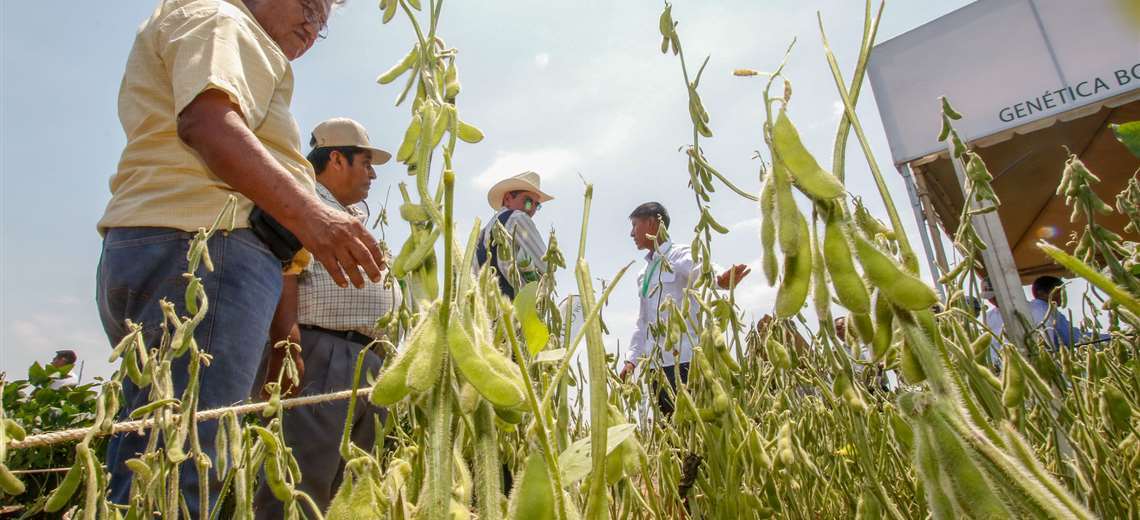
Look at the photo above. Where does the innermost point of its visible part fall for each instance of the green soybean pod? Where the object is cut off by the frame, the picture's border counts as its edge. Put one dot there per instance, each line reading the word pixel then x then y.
pixel 14 430
pixel 788 214
pixel 390 10
pixel 1013 383
pixel 980 347
pixel 1115 411
pixel 849 287
pixel 821 294
pixel 812 179
pixel 275 478
pixel 66 489
pixel 777 354
pixel 411 137
pixel 973 492
pixel 884 327
pixel 424 369
pixel 503 392
pixel 392 384
pixel 768 229
pixel 864 328
pixel 400 67
pixel 926 461
pixel 469 133
pixel 533 496
pixel 10 483
pixel 899 286
pixel 794 287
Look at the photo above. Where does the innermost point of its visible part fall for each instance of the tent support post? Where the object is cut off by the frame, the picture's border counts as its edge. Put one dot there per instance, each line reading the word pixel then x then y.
pixel 1000 267
pixel 931 221
pixel 1006 283
pixel 916 207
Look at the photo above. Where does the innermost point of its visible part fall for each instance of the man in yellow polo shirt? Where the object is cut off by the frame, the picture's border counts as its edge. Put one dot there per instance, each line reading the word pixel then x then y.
pixel 204 103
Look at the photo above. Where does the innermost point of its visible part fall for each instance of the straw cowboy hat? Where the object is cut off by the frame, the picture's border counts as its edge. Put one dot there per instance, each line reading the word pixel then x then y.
pixel 525 181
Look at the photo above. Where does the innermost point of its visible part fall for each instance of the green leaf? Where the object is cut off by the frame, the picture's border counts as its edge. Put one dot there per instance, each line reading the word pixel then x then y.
pixel 550 356
pixel 37 375
pixel 574 463
pixel 1129 135
pixel 526 310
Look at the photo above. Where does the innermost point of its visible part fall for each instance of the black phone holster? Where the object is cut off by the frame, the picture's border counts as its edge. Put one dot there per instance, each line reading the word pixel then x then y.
pixel 280 241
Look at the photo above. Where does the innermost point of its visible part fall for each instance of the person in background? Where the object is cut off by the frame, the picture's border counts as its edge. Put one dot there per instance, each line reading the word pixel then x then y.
pixel 332 324
pixel 64 358
pixel 515 201
pixel 878 380
pixel 994 322
pixel 668 273
pixel 1048 299
pixel 205 106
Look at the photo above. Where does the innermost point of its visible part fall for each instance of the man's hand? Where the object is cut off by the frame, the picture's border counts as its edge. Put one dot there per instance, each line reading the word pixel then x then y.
pixel 626 370
pixel 214 127
pixel 340 243
pixel 732 276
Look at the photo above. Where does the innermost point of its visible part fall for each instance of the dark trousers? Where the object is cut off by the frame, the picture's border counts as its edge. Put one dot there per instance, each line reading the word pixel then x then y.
pixel 313 432
pixel 664 399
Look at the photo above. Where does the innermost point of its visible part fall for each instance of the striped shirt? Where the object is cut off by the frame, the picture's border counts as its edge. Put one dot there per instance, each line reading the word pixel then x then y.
pixel 323 303
pixel 528 245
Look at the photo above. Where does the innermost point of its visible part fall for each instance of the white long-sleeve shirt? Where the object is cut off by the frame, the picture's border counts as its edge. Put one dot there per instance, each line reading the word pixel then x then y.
pixel 655 286
pixel 996 324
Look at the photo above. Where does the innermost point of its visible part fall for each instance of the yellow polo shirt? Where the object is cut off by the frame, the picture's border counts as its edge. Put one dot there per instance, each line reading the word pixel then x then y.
pixel 184 49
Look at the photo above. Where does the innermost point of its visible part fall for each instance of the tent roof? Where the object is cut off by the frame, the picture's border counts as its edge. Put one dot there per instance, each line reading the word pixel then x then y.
pixel 1003 64
pixel 1026 169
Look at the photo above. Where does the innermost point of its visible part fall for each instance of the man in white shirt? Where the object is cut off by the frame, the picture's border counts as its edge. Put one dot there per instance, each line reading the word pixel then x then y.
pixel 994 322
pixel 331 323
pixel 64 358
pixel 1048 299
pixel 668 272
pixel 515 201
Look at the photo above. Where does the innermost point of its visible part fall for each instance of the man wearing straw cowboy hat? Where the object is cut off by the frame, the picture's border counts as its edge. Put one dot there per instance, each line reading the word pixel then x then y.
pixel 332 324
pixel 515 201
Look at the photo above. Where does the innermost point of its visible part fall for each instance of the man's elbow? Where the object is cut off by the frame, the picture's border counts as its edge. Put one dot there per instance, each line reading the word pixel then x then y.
pixel 190 124
pixel 204 116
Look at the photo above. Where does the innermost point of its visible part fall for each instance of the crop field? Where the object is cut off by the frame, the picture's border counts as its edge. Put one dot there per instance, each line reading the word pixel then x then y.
pixel 779 419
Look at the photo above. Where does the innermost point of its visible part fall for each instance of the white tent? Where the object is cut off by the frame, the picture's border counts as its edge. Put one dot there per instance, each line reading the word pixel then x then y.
pixel 1031 77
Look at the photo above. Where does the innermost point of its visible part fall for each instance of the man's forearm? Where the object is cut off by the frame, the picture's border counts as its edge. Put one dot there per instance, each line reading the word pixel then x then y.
pixel 215 129
pixel 284 324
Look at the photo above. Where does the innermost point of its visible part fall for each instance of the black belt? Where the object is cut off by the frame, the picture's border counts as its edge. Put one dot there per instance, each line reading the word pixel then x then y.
pixel 350 335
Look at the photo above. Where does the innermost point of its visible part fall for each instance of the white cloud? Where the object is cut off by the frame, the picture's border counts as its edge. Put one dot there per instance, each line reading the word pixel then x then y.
pixel 37 336
pixel 541 60
pixel 550 163
pixel 750 225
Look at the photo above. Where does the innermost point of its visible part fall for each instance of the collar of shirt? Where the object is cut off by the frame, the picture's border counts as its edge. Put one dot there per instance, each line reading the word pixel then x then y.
pixel 662 250
pixel 330 199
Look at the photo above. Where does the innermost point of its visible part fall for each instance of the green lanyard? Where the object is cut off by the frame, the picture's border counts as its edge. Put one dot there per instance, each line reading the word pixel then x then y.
pixel 649 275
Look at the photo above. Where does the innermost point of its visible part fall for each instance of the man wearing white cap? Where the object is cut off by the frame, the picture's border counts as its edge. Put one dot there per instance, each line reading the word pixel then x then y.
pixel 331 323
pixel 515 201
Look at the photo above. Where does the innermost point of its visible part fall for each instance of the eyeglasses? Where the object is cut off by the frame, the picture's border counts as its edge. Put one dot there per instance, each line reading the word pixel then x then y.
pixel 531 203
pixel 316 17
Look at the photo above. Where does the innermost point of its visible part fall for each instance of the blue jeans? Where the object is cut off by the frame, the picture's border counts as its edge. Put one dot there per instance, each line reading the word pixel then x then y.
pixel 141 266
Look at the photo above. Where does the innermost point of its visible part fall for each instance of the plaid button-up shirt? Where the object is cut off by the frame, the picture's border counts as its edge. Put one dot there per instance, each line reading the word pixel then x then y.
pixel 322 303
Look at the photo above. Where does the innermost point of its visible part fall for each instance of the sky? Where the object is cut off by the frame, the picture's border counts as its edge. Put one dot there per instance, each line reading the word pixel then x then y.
pixel 571 90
